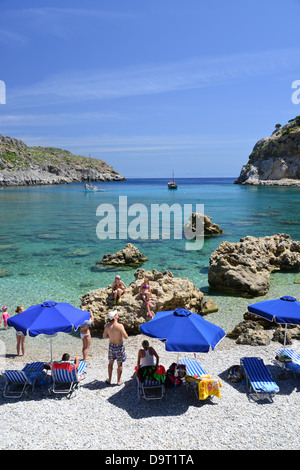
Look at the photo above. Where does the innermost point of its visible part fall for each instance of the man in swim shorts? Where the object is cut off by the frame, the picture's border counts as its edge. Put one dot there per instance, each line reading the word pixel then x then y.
pixel 116 350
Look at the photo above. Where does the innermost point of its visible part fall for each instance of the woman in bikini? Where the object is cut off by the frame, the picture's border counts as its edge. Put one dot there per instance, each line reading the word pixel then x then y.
pixel 118 288
pixel 19 335
pixel 145 292
pixel 85 335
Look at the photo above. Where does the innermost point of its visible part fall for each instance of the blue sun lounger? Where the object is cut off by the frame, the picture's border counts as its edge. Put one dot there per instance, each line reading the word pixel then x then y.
pixel 193 368
pixel 34 367
pixel 293 366
pixel 193 373
pixel 258 378
pixel 16 382
pixel 66 379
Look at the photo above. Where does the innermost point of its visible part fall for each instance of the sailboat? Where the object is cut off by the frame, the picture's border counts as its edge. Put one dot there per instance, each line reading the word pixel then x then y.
pixel 172 184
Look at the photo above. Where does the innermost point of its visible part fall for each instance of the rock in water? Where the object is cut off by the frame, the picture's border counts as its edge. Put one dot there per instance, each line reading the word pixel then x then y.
pixel 130 255
pixel 244 268
pixel 209 227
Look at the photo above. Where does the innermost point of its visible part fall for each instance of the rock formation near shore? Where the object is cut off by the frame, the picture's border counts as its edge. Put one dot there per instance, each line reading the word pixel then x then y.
pixel 256 331
pixel 210 228
pixel 130 256
pixel 168 293
pixel 275 160
pixel 244 268
pixel 23 165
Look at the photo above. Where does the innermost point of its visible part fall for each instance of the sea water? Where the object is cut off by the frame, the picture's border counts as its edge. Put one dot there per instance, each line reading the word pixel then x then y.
pixel 49 245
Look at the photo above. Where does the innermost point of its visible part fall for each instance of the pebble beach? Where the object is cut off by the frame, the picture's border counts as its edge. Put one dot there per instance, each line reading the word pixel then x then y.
pixel 102 417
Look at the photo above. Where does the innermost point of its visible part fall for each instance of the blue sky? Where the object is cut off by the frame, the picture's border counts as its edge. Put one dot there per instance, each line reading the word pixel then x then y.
pixel 149 86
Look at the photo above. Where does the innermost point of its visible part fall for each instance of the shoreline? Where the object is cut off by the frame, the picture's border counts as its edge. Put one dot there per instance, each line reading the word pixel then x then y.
pixel 105 417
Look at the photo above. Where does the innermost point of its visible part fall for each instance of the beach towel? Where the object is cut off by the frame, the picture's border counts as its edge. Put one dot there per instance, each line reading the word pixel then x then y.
pixel 69 366
pixel 208 386
pixel 157 373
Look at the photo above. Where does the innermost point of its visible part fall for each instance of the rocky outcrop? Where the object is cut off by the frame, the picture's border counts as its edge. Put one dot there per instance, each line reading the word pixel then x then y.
pixel 23 165
pixel 196 219
pixel 244 268
pixel 275 160
pixel 256 331
pixel 130 255
pixel 168 293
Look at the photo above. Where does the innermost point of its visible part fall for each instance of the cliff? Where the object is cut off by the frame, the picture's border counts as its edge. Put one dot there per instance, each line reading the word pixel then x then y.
pixel 23 165
pixel 275 160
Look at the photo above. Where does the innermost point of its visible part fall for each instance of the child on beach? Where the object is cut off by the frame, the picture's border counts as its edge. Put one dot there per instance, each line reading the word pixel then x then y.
pixel 5 316
pixel 118 288
pixel 145 292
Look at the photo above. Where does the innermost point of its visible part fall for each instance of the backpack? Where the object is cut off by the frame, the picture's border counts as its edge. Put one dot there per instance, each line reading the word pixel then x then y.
pixel 171 380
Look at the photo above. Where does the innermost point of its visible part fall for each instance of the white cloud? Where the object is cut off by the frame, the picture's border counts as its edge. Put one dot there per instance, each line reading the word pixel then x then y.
pixel 96 85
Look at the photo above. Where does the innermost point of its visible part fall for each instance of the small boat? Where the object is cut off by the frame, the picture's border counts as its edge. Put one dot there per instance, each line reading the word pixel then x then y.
pixel 172 184
pixel 91 187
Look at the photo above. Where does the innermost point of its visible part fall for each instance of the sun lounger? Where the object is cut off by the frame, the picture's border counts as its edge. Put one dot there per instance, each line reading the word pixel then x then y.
pixel 34 367
pixel 150 389
pixel 294 365
pixel 193 368
pixel 199 380
pixel 66 379
pixel 258 378
pixel 16 383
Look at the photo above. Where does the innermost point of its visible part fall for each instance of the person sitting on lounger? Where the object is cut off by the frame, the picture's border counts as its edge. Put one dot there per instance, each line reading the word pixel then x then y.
pixel 66 358
pixel 146 355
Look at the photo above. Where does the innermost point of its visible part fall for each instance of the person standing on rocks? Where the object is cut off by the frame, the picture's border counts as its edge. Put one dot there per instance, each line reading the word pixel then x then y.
pixel 116 350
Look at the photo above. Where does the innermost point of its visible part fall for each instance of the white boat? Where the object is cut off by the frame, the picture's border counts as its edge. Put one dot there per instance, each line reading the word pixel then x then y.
pixel 172 184
pixel 91 188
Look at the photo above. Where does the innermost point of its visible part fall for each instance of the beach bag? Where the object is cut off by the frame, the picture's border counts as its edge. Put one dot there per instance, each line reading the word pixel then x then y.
pixel 171 380
pixel 235 374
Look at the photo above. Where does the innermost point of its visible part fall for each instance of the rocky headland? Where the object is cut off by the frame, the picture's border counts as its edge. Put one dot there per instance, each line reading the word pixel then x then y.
pixel 244 267
pixel 275 160
pixel 168 293
pixel 23 165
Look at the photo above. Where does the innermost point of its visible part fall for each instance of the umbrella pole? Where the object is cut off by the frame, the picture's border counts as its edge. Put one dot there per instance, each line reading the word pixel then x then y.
pixel 285 330
pixel 51 348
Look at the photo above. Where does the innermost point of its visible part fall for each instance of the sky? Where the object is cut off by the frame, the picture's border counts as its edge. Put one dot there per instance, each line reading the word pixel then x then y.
pixel 151 87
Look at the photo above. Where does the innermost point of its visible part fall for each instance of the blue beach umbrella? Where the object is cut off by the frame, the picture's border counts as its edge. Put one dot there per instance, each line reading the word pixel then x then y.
pixel 183 331
pixel 48 318
pixel 285 310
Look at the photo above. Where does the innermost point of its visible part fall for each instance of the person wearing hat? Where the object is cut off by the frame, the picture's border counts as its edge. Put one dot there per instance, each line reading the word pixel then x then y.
pixel 118 288
pixel 116 350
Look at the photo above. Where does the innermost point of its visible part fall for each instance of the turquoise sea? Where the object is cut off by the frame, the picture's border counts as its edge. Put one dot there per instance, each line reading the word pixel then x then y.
pixel 49 245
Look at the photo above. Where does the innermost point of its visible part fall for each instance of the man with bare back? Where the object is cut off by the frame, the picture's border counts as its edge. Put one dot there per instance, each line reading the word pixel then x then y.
pixel 116 351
